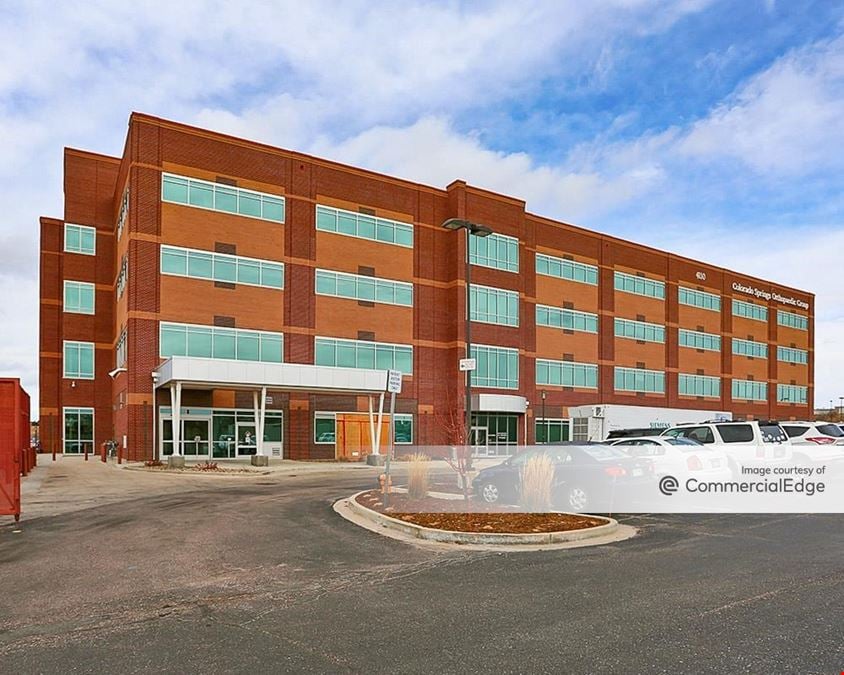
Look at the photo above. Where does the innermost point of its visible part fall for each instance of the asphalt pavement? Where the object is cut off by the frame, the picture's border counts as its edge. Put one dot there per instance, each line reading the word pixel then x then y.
pixel 260 575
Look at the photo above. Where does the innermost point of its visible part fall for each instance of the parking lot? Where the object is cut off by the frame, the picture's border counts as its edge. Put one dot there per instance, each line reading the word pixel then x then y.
pixel 259 575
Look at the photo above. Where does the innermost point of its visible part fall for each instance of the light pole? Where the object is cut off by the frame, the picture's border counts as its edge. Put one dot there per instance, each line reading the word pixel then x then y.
pixel 478 231
pixel 544 419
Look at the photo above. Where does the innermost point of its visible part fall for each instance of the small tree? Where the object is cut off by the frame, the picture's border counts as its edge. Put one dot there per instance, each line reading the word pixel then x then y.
pixel 453 422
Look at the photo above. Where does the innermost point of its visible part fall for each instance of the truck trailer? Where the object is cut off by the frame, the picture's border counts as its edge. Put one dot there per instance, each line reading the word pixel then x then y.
pixel 595 422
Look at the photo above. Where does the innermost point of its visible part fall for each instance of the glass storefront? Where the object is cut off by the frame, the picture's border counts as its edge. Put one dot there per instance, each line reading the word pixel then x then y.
pixel 494 434
pixel 220 434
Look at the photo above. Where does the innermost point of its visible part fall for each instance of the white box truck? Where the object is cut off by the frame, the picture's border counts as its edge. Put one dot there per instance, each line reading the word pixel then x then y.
pixel 595 422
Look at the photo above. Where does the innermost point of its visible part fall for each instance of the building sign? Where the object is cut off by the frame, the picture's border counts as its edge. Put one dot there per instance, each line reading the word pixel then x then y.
pixel 769 295
pixel 700 276
pixel 394 381
pixel 468 364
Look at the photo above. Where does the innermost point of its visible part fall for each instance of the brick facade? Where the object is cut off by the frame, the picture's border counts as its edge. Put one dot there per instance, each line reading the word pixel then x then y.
pixel 94 190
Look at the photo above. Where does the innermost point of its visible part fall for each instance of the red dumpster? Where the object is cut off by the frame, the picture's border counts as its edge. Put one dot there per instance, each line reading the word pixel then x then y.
pixel 15 451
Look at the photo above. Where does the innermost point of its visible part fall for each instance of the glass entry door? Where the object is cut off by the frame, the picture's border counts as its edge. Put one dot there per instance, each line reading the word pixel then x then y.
pixel 196 435
pixel 500 433
pixel 246 439
pixel 479 442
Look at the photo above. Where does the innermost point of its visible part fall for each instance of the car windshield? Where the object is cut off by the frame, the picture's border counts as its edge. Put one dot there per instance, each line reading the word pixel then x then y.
pixel 603 452
pixel 795 431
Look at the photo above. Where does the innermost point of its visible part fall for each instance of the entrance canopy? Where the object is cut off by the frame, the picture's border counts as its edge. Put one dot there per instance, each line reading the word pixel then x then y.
pixel 188 372
pixel 201 373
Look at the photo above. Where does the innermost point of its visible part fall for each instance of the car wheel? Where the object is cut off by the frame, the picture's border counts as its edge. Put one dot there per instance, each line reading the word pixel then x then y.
pixel 490 493
pixel 577 498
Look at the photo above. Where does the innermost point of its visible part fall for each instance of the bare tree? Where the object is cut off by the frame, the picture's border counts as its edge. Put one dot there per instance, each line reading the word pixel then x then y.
pixel 453 423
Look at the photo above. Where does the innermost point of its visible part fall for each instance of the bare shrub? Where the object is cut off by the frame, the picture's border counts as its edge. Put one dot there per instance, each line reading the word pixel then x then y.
pixel 417 476
pixel 537 478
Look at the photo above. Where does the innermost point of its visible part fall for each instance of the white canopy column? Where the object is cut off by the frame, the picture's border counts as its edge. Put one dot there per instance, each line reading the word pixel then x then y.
pixel 260 418
pixel 176 407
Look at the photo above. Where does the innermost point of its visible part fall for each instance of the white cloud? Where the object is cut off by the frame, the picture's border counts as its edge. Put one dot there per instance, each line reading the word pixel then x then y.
pixel 789 119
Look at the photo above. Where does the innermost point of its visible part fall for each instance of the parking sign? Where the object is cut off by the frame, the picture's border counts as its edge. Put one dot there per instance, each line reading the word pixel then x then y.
pixel 394 381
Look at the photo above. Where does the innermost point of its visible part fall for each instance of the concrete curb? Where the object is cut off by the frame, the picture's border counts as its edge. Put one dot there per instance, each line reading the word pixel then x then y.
pixel 371 520
pixel 190 472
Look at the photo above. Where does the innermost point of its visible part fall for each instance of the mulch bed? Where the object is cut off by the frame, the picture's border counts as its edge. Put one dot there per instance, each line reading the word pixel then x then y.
pixel 458 516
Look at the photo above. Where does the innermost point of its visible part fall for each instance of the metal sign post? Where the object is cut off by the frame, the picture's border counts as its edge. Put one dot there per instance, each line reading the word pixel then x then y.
pixel 394 387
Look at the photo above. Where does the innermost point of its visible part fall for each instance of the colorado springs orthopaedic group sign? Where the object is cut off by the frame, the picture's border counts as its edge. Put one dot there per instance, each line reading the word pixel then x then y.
pixel 770 295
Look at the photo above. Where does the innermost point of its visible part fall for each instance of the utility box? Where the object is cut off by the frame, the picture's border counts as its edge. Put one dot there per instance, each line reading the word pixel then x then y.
pixel 15 450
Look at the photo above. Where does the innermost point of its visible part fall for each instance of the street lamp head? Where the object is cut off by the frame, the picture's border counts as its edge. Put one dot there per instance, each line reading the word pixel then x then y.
pixel 474 228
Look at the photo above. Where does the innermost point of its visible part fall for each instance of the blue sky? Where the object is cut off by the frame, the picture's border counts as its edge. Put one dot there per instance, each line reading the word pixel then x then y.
pixel 714 129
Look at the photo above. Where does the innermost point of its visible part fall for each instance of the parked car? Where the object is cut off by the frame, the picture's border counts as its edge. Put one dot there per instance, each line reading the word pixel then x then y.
pixel 750 443
pixel 679 457
pixel 584 476
pixel 816 441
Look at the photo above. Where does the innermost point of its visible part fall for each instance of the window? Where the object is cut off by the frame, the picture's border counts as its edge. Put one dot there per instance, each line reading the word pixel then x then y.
pixel 325 429
pixel 123 214
pixel 363 354
pixel 213 342
pixel 78 297
pixel 496 367
pixel 569 319
pixel 698 340
pixel 78 430
pixel 361 287
pixel 403 429
pixel 493 305
pixel 217 197
pixel 185 262
pixel 566 374
pixel 566 269
pixel 551 430
pixel 792 355
pixel 79 360
pixel 123 276
pixel 496 250
pixel 630 283
pixel 329 219
pixel 699 385
pixel 792 393
pixel 750 348
pixel 639 379
pixel 120 350
pixel 699 434
pixel 693 298
pixel 750 390
pixel 792 320
pixel 639 330
pixel 735 433
pixel 80 239
pixel 750 310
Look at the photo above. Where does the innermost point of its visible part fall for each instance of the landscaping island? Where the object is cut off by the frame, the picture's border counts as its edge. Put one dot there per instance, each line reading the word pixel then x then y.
pixel 458 515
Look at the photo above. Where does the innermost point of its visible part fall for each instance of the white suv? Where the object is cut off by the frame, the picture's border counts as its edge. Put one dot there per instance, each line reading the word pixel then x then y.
pixel 753 443
pixel 816 441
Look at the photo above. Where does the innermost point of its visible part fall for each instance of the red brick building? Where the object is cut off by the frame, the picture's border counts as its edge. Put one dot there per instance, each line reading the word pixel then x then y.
pixel 196 258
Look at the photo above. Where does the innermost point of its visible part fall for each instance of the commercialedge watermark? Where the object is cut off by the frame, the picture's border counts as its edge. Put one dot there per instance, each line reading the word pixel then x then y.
pixel 773 480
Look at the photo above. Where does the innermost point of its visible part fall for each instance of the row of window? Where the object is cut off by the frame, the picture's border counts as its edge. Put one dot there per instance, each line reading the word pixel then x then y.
pixel 218 197
pixel 496 366
pixel 566 269
pixel 568 319
pixel 750 310
pixel 639 330
pixel 363 226
pixel 493 305
pixel 701 299
pixel 362 287
pixel 792 355
pixel 363 354
pixel 698 340
pixel 750 348
pixel 186 262
pixel 631 283
pixel 214 342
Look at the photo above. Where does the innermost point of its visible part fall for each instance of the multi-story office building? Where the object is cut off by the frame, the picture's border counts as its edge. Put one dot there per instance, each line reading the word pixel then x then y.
pixel 200 287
